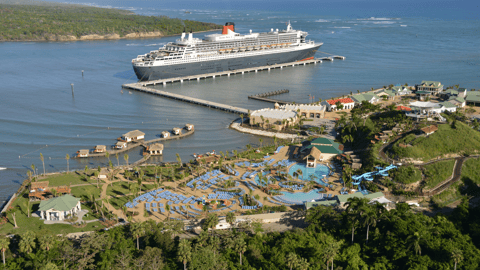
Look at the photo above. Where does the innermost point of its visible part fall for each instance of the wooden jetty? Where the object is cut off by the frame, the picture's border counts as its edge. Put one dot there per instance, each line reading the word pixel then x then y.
pixel 142 143
pixel 264 97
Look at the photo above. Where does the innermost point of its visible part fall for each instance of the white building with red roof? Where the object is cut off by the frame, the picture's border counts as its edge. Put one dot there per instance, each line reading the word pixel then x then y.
pixel 331 105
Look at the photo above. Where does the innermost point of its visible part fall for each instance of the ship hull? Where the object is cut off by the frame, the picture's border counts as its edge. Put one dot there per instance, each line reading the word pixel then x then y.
pixel 194 68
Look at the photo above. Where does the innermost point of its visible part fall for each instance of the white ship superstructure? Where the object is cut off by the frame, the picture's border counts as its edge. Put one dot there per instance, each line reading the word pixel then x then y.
pixel 226 51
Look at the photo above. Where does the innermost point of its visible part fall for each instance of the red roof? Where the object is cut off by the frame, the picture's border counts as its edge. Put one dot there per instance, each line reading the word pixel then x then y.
pixel 342 100
pixel 403 108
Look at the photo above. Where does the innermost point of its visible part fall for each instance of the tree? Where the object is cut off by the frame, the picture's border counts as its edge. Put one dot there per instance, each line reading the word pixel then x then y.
pixel 332 247
pixel 67 157
pixel 241 116
pixel 230 218
pixel 47 241
pixel 4 243
pixel 13 212
pixel 167 208
pixel 240 246
pixel 118 161
pixel 338 105
pixel 126 158
pixel 33 169
pixel 355 207
pixel 179 160
pixel 210 222
pixel 457 257
pixel 49 266
pixel 184 252
pixel 107 155
pixel 27 242
pixel 137 229
pixel 414 241
pixel 292 260
pixel 261 142
pixel 43 162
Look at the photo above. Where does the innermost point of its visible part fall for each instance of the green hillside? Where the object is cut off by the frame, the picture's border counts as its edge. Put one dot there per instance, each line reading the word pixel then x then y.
pixel 447 140
pixel 19 22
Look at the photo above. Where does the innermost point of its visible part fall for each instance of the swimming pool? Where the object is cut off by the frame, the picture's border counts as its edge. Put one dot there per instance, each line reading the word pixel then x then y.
pixel 309 173
pixel 301 197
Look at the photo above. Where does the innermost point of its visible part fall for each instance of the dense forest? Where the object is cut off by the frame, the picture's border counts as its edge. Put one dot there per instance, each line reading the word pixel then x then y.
pixel 364 236
pixel 55 22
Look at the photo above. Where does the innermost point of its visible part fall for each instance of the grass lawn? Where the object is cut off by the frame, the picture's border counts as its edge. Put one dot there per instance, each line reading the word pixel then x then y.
pixel 64 179
pixel 118 202
pixel 471 170
pixel 118 188
pixel 407 174
pixel 85 192
pixel 447 140
pixel 35 224
pixel 438 172
pixel 448 196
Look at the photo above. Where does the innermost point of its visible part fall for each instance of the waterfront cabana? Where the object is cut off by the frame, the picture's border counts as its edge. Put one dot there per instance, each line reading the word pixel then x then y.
pixel 100 149
pixel 82 153
pixel 189 127
pixel 132 136
pixel 155 149
pixel 59 208
pixel 312 157
pixel 121 145
pixel 165 134
pixel 103 173
pixel 177 131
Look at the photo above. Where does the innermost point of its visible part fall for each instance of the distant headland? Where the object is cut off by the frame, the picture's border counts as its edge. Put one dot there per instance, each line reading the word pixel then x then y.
pixel 47 21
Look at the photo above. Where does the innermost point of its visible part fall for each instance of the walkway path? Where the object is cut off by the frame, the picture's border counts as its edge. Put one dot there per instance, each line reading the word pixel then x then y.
pixel 236 125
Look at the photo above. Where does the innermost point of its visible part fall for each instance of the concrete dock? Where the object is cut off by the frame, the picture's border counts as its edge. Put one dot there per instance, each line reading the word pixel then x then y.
pixel 264 97
pixel 142 86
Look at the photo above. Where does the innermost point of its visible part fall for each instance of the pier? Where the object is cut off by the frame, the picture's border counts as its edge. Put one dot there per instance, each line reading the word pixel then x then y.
pixel 142 143
pixel 236 71
pixel 264 97
pixel 206 103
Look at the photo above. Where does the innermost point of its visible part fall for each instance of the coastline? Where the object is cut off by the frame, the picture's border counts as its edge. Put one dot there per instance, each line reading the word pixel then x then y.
pixel 132 36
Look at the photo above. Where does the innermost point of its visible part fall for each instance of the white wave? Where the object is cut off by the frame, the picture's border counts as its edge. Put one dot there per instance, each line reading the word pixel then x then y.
pixel 378 19
pixel 322 20
pixel 2 168
pixel 158 44
pixel 134 44
pixel 403 25
pixel 384 22
pixel 343 27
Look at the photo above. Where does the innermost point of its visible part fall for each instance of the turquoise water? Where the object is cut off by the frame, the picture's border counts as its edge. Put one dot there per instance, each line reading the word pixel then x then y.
pixel 302 196
pixel 307 173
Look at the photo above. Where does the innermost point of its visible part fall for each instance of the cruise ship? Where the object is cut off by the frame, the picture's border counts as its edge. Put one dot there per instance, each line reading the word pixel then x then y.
pixel 222 52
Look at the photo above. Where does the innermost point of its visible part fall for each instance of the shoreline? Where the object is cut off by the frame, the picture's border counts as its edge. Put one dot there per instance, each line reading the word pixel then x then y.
pixel 131 36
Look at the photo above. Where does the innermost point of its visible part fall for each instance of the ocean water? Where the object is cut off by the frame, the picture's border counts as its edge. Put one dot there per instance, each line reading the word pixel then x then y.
pixel 383 44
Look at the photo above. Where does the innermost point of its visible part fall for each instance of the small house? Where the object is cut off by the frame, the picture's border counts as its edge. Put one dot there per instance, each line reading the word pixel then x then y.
pixel 331 105
pixel 155 149
pixel 369 97
pixel 189 127
pixel 82 153
pixel 132 136
pixel 177 131
pixel 59 208
pixel 429 130
pixel 121 145
pixel 434 88
pixel 312 157
pixel 165 134
pixel 100 149
pixel 103 173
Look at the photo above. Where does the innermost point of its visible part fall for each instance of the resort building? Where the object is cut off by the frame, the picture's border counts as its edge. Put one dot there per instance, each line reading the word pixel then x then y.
pixel 401 90
pixel 100 149
pixel 165 134
pixel 177 131
pixel 59 208
pixel 386 94
pixel 324 150
pixel 331 105
pixel 305 110
pixel 423 95
pixel 273 118
pixel 103 173
pixel 82 153
pixel 189 127
pixel 155 149
pixel 433 87
pixel 369 97
pixel 309 205
pixel 473 98
pixel 421 109
pixel 457 101
pixel 121 145
pixel 132 136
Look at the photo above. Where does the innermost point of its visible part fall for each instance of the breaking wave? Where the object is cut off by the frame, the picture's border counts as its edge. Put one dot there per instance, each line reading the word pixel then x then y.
pixel 322 20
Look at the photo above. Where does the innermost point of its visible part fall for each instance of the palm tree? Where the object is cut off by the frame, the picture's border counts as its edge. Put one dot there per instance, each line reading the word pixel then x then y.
pixel 43 162
pixel 126 158
pixel 456 256
pixel 179 160
pixel 27 242
pixel 331 250
pixel 261 142
pixel 4 243
pixel 292 260
pixel 355 208
pixel 414 241
pixel 137 229
pixel 194 186
pixel 240 246
pixel 13 212
pixel 47 241
pixel 67 157
pixel 33 169
pixel 241 116
pixel 29 174
pixel 302 264
pixel 107 154
pixel 118 161
pixel 184 252
pixel 230 218
pixel 167 208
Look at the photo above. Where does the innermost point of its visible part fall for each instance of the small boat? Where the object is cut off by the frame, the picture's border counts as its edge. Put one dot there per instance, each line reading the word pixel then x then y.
pixel 130 92
pixel 2 168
